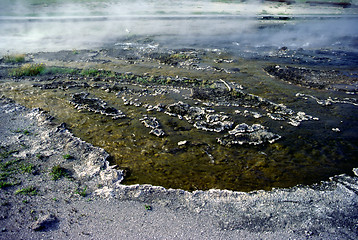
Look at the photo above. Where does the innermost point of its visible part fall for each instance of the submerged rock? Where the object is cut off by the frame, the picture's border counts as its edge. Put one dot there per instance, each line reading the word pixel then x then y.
pixel 329 101
pixel 202 118
pixel 245 134
pixel 82 101
pixel 153 123
pixel 214 122
pixel 237 97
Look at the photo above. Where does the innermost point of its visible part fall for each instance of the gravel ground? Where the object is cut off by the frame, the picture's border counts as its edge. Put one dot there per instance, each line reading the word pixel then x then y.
pixel 87 201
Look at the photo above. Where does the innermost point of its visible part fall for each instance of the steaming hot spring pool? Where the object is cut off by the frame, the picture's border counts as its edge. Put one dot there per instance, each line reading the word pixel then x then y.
pixel 196 101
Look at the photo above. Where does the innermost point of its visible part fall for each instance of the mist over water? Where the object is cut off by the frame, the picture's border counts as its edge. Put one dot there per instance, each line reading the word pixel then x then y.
pixel 31 26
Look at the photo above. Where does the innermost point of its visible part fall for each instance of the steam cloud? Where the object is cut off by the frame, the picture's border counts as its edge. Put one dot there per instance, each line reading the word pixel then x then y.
pixel 29 27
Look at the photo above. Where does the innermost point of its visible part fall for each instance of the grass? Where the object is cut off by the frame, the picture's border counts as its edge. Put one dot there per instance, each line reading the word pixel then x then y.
pixel 180 56
pixel 91 72
pixel 4 184
pixel 16 58
pixel 4 175
pixel 82 192
pixel 58 70
pixel 23 131
pixel 148 207
pixel 58 172
pixel 8 166
pixel 6 154
pixel 27 168
pixel 35 69
pixel 29 69
pixel 67 156
pixel 30 191
pixel 7 169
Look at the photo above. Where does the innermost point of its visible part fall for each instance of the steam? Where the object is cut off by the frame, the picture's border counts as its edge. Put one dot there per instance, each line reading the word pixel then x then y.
pixel 29 27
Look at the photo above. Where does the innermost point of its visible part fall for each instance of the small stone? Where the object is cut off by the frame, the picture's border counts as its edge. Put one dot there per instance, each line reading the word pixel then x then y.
pixel 157 132
pixel 181 143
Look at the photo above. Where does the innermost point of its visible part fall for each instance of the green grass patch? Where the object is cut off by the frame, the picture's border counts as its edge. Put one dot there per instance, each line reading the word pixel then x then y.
pixel 148 207
pixel 27 168
pixel 27 70
pixel 67 156
pixel 82 192
pixel 4 184
pixel 30 191
pixel 58 172
pixel 9 165
pixel 180 56
pixel 4 175
pixel 16 58
pixel 91 72
pixel 58 70
pixel 23 131
pixel 6 153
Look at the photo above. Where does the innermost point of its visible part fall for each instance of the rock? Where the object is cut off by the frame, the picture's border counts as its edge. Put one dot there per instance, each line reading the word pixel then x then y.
pixel 243 127
pixel 247 113
pixel 150 122
pixel 91 167
pixel 238 97
pixel 329 101
pixel 245 134
pixel 178 108
pixel 355 171
pixel 313 78
pixel 61 85
pixel 157 132
pixel 216 126
pixel 153 123
pixel 299 117
pixel 110 175
pixel 182 143
pixel 44 222
pixel 105 192
pixel 201 118
pixel 82 101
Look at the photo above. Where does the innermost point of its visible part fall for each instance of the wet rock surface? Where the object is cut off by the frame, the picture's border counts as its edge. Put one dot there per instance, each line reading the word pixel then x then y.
pixel 312 78
pixel 329 101
pixel 245 134
pixel 154 125
pixel 61 85
pixel 238 97
pixel 82 101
